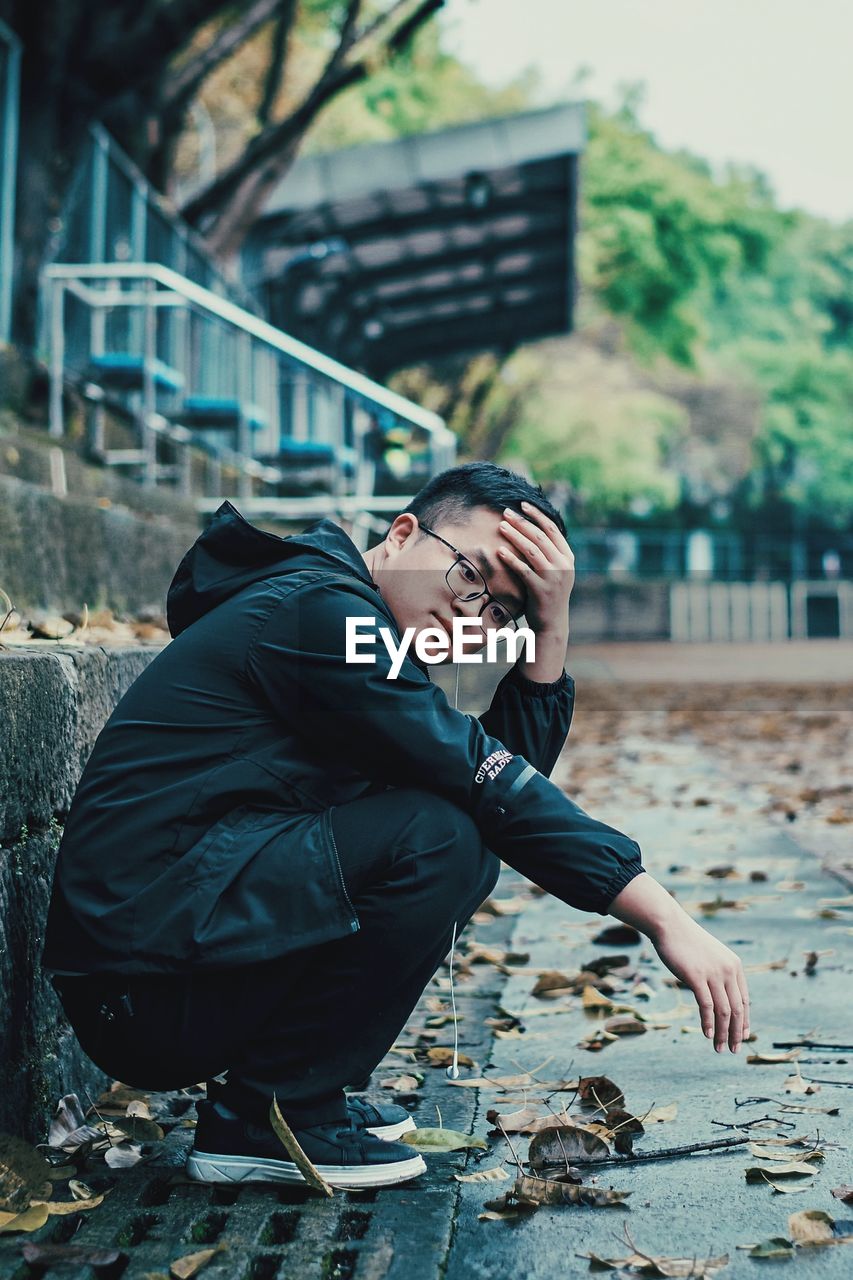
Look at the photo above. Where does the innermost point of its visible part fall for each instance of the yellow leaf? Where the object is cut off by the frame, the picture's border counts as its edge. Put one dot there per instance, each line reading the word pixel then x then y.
pixel 192 1263
pixel 30 1220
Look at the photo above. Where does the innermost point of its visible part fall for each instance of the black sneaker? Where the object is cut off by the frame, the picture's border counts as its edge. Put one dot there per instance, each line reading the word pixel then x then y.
pixel 384 1120
pixel 346 1155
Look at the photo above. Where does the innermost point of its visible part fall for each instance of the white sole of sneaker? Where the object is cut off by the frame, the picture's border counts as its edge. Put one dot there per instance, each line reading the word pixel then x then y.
pixel 207 1167
pixel 390 1132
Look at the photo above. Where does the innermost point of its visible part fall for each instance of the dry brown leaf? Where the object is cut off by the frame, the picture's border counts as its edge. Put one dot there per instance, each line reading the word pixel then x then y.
pixel 793 1169
pixel 402 1083
pixel 790 1056
pixel 293 1149
pixel 31 1219
pixel 552 980
pixel 652 1265
pixel 563 1144
pixel 442 1056
pixel 796 1084
pixel 811 1226
pixel 553 1191
pixel 192 1263
pixel 600 1091
pixel 496 1174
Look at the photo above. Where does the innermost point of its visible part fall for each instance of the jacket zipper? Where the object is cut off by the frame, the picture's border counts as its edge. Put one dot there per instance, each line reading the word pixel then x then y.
pixel 353 917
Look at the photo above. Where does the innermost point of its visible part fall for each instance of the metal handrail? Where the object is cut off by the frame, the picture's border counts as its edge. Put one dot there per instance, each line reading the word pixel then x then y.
pixel 221 308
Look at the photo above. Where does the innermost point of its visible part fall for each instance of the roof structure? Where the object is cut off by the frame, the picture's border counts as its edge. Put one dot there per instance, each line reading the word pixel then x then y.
pixel 462 240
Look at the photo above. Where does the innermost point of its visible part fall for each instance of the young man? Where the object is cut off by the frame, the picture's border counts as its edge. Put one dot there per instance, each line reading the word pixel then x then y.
pixel 274 841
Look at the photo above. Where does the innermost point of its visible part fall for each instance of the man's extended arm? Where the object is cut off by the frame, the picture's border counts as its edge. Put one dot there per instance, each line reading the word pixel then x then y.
pixel 404 732
pixel 707 966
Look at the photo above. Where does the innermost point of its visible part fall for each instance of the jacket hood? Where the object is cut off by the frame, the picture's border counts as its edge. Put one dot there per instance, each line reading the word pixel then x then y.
pixel 231 554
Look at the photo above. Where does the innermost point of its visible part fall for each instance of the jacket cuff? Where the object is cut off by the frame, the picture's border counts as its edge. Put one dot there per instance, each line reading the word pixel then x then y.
pixel 536 689
pixel 624 877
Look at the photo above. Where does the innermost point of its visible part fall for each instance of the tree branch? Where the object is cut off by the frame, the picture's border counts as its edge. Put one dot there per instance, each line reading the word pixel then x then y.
pixel 278 61
pixel 183 85
pixel 277 138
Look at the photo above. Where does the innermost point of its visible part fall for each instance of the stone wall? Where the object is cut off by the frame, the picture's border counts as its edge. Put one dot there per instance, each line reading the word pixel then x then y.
pixel 52 706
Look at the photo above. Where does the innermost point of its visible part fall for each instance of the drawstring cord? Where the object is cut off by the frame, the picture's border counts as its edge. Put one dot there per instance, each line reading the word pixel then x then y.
pixel 452 1071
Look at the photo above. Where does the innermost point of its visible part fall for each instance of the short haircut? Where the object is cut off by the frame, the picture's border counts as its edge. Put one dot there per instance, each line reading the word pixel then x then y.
pixel 449 496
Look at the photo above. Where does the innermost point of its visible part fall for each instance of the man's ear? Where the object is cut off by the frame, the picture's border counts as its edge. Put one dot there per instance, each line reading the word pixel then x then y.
pixel 402 531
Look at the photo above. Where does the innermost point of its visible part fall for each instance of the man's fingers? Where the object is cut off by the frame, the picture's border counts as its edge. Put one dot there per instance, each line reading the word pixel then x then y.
pixel 744 995
pixel 705 1001
pixel 722 1015
pixel 736 1020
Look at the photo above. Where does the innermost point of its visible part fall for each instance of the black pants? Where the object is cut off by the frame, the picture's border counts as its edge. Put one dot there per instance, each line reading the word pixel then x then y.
pixel 307 1024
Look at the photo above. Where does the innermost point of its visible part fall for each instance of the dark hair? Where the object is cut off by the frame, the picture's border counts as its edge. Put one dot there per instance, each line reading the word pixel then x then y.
pixel 450 495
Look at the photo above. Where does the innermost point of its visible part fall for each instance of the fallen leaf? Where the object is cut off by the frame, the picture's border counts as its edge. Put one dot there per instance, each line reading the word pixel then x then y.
pixel 192 1263
pixel 651 1265
pixel 74 1206
pixel 402 1083
pixel 766 1151
pixel 790 1056
pixel 69 1129
pixel 799 1107
pixel 517 1121
pixel 551 980
pixel 810 1226
pixel 31 1219
pixel 441 1140
pixel 123 1155
pixel 565 1144
pixel 443 1056
pixel 288 1141
pixel 80 1190
pixel 553 1191
pixel 796 1084
pixel 504 906
pixel 618 935
pixel 600 1091
pixel 139 1129
pixel 139 1110
pixel 660 1115
pixel 625 1027
pixel 796 1168
pixel 844 1193
pixel 775 1247
pixel 496 1174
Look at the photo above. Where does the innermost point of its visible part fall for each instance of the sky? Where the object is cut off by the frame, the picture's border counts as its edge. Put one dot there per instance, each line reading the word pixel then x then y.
pixel 767 83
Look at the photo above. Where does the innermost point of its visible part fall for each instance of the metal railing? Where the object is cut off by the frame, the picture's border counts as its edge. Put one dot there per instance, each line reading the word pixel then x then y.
pixel 190 366
pixel 113 214
pixel 10 70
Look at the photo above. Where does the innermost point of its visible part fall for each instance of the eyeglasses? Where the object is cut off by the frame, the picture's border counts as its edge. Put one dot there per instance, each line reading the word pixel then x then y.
pixel 467 583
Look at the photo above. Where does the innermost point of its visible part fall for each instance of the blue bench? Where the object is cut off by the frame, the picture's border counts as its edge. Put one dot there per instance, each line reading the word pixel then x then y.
pixel 220 413
pixel 125 372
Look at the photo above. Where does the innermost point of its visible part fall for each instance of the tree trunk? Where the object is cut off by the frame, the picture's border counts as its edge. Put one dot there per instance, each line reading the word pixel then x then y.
pixel 52 145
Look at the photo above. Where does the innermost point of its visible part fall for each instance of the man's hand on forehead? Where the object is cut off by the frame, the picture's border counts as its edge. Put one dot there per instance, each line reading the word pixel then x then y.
pixel 537 554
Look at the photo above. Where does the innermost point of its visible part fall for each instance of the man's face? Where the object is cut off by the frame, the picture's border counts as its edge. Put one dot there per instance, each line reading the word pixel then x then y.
pixel 411 574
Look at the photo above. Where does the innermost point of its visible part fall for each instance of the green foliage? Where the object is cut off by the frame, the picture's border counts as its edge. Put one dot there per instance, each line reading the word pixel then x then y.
pixel 606 436
pixel 659 234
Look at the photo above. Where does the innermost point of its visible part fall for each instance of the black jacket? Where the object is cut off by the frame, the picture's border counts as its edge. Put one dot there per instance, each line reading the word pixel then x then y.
pixel 199 835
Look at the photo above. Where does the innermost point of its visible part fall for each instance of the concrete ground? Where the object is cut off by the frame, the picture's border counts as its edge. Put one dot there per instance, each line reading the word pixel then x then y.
pixel 742 782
